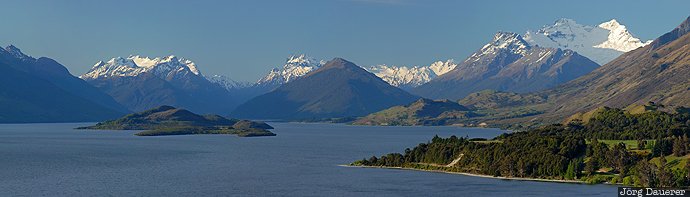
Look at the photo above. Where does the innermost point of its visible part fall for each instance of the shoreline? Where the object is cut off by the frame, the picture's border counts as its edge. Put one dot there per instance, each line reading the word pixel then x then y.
pixel 473 175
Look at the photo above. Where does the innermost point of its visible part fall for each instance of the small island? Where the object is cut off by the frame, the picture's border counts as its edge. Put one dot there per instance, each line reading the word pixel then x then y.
pixel 167 120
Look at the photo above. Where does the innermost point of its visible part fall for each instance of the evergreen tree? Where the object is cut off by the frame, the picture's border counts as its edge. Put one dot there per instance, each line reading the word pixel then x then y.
pixel 665 178
pixel 591 166
pixel 662 146
pixel 678 147
pixel 646 174
pixel 571 172
pixel 641 144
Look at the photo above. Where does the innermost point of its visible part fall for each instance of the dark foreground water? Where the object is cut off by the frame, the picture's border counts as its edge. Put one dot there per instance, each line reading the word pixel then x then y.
pixel 55 160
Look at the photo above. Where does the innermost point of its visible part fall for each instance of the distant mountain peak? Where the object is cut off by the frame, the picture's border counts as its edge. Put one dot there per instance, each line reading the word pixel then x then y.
pixel 339 63
pixel 511 41
pixel 43 90
pixel 168 66
pixel 509 63
pixel 507 38
pixel 508 41
pixel 300 59
pixel 16 52
pixel 12 48
pixel 619 38
pixel 339 88
pixel 565 21
pixel 409 77
pixel 601 43
pixel 295 66
pixel 226 82
pixel 441 67
pixel 140 82
pixel 610 25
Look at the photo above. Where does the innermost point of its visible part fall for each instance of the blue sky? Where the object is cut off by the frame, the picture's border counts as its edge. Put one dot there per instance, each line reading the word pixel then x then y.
pixel 244 39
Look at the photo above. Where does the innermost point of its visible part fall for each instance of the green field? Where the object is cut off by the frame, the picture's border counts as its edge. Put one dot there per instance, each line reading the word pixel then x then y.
pixel 673 162
pixel 629 144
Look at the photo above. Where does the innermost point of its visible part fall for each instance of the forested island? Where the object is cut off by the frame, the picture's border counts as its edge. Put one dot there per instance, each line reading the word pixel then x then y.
pixel 613 146
pixel 167 120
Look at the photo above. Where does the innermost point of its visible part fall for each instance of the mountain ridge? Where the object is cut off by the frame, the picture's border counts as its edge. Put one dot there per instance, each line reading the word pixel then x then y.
pixel 601 43
pixel 141 83
pixel 26 81
pixel 508 63
pixel 339 88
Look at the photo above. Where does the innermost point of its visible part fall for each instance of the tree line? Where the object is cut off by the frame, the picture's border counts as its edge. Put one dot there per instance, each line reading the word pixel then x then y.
pixel 573 151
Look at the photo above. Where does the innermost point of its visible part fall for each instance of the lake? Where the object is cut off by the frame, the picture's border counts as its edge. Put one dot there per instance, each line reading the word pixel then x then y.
pixel 55 160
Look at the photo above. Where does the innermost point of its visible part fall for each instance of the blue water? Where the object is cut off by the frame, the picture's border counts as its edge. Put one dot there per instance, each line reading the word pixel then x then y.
pixel 55 160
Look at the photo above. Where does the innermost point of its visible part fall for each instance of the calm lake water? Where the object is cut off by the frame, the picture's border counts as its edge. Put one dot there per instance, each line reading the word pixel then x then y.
pixel 55 160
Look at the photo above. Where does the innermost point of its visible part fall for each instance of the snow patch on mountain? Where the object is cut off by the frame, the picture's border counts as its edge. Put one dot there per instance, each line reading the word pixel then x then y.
pixel 441 67
pixel 510 41
pixel 295 66
pixel 227 83
pixel 409 77
pixel 619 38
pixel 400 76
pixel 164 67
pixel 601 43
pixel 16 52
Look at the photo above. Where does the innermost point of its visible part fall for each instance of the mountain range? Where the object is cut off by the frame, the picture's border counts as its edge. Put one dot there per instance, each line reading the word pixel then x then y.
pixel 601 43
pixel 141 83
pixel 339 88
pixel 306 88
pixel 653 76
pixel 410 77
pixel 508 63
pixel 399 76
pixel 657 72
pixel 42 90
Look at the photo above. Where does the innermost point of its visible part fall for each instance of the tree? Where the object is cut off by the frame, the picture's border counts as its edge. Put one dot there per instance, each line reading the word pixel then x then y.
pixel 619 158
pixel 685 142
pixel 678 147
pixel 591 166
pixel 373 160
pixel 641 144
pixel 600 152
pixel 662 146
pixel 665 178
pixel 571 172
pixel 646 174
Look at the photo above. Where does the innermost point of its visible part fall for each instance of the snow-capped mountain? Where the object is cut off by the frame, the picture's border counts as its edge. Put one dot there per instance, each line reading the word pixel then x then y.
pixel 16 52
pixel 338 88
pixel 410 77
pixel 141 83
pixel 601 43
pixel 168 67
pixel 508 63
pixel 619 38
pixel 295 67
pixel 502 41
pixel 227 83
pixel 400 76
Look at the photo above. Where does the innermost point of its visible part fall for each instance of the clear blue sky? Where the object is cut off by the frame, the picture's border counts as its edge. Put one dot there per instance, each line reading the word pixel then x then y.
pixel 244 39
